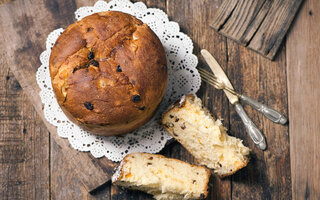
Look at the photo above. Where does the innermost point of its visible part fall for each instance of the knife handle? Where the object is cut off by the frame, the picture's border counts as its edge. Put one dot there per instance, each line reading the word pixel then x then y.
pixel 254 133
pixel 270 113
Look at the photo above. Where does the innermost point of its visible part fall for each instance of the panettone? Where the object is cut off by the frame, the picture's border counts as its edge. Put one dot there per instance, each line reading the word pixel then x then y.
pixel 164 178
pixel 204 137
pixel 108 72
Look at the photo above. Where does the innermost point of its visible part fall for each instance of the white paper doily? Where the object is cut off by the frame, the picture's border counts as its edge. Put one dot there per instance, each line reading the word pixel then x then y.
pixel 183 79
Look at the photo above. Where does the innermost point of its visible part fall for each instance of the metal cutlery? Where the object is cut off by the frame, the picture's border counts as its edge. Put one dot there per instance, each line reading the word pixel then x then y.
pixel 270 113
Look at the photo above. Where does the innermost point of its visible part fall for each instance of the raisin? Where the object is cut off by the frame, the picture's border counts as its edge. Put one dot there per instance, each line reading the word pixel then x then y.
pixel 91 55
pixel 88 29
pixel 177 119
pixel 75 69
pixel 183 126
pixel 88 105
pixel 119 68
pixel 136 98
pixel 149 163
pixel 94 63
pixel 151 158
pixel 194 181
pixel 171 116
pixel 142 108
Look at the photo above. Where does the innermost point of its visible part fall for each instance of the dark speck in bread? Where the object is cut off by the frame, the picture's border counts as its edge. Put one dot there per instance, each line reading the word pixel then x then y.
pixel 94 63
pixel 91 55
pixel 183 126
pixel 75 69
pixel 136 98
pixel 119 68
pixel 88 105
pixel 142 108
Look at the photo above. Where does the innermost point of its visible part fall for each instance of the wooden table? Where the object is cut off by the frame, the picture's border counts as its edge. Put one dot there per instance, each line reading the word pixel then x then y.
pixel 32 165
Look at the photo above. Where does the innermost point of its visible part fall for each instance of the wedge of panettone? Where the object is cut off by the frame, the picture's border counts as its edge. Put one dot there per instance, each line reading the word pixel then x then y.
pixel 205 137
pixel 164 178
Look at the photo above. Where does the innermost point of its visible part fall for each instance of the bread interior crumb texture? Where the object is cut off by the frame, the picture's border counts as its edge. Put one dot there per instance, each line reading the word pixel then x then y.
pixel 162 177
pixel 204 137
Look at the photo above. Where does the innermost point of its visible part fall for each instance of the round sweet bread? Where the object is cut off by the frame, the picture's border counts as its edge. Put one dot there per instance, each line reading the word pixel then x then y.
pixel 108 72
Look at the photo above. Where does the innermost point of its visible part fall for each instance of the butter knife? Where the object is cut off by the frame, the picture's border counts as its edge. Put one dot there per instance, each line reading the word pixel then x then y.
pixel 254 133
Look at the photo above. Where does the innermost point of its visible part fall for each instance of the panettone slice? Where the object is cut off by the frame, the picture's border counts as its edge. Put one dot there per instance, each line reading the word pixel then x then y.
pixel 164 178
pixel 205 137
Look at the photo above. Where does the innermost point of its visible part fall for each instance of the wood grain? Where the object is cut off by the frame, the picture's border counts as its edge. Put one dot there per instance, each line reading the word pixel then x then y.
pixel 260 24
pixel 304 91
pixel 24 143
pixel 65 182
pixel 267 175
pixel 241 27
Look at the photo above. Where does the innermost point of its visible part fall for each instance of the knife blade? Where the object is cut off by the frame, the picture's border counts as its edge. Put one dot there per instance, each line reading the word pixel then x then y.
pixel 218 71
pixel 254 133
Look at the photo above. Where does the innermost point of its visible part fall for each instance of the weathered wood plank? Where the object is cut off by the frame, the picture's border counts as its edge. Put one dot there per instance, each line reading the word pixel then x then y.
pixel 239 24
pixel 26 25
pixel 24 143
pixel 255 23
pixel 65 183
pixel 223 13
pixel 259 25
pixel 304 91
pixel 267 175
pixel 274 27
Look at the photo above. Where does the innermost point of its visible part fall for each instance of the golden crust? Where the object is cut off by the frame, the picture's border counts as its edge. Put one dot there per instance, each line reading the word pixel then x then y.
pixel 96 90
pixel 244 164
